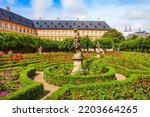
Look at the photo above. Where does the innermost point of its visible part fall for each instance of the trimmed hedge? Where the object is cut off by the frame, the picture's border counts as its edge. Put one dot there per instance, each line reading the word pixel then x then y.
pixel 31 90
pixel 39 66
pixel 56 79
pixel 66 92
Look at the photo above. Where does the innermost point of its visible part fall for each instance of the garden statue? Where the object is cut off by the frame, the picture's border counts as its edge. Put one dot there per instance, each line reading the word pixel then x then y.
pixel 77 43
pixel 40 50
pixel 78 57
pixel 98 50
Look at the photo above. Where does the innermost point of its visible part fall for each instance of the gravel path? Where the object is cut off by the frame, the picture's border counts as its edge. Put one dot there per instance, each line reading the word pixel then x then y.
pixel 48 88
pixel 120 76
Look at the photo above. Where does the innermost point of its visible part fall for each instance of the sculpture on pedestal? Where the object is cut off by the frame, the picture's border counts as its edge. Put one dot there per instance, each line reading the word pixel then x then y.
pixel 78 57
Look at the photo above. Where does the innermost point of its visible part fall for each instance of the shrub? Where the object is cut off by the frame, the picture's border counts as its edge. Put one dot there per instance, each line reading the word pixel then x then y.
pixel 31 89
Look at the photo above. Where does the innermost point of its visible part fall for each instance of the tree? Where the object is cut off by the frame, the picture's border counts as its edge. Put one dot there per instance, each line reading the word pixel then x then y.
pixel 66 44
pixel 105 42
pixel 86 43
pixel 116 36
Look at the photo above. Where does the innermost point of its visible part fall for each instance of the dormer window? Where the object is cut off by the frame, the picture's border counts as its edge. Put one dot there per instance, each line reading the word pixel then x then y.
pixel 66 23
pixel 78 26
pixel 41 26
pixel 91 24
pixel 82 23
pixel 62 26
pixel 74 23
pixel 95 26
pixel 70 26
pixel 1 12
pixel 86 26
pixel 99 24
pixel 104 26
pixel 37 23
pixel 55 26
pixel 59 23
pixel 52 23
pixel 45 23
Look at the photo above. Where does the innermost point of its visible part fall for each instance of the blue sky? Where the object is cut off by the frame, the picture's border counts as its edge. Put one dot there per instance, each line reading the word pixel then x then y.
pixel 117 13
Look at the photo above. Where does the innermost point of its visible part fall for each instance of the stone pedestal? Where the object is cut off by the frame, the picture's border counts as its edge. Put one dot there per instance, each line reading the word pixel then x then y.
pixel 98 55
pixel 78 61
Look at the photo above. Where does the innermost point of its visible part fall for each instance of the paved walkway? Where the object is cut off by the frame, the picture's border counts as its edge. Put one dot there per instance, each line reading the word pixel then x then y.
pixel 48 88
pixel 120 76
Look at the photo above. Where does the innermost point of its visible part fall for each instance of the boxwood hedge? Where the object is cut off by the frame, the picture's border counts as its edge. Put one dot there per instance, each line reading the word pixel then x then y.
pixel 31 90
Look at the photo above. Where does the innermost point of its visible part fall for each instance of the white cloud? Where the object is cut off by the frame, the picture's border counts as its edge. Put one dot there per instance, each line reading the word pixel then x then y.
pixel 138 14
pixel 117 16
pixel 40 7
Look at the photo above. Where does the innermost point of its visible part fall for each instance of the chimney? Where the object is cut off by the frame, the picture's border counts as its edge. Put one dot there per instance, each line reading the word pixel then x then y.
pixel 8 8
pixel 78 19
pixel 58 18
pixel 40 18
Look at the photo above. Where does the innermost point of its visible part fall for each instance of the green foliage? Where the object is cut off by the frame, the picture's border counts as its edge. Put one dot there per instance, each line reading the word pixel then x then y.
pixel 86 42
pixel 137 44
pixel 25 43
pixel 30 89
pixel 105 42
pixel 135 66
pixel 60 74
pixel 66 44
pixel 116 36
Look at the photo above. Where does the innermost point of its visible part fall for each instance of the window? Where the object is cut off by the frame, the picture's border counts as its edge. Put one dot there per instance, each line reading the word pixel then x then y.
pixel 83 24
pixel 91 24
pixel 70 26
pixel 104 26
pixel 55 26
pixel 48 26
pixel 62 26
pixel 41 26
pixel 1 25
pixel 37 23
pixel 99 24
pixel 1 12
pixel 95 26
pixel 86 26
pixel 45 23
pixel 74 23
pixel 52 23
pixel 66 23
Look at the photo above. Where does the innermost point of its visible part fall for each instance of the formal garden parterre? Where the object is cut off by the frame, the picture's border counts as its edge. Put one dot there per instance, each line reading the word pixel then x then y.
pixel 97 81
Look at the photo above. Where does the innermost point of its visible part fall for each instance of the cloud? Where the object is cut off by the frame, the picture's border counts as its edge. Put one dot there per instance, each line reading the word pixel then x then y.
pixel 117 15
pixel 138 14
pixel 73 8
pixel 40 7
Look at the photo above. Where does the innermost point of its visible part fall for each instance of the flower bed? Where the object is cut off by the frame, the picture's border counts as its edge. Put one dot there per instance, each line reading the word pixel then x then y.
pixel 60 74
pixel 134 88
pixel 29 90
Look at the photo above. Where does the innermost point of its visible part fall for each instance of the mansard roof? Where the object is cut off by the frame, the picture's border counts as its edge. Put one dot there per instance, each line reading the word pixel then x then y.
pixel 66 24
pixel 12 17
pixel 53 24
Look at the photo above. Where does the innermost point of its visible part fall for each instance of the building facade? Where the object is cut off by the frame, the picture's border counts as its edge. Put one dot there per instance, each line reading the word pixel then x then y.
pixel 51 29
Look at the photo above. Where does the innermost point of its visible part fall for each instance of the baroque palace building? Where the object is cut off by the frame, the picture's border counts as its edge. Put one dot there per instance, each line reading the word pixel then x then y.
pixel 51 29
